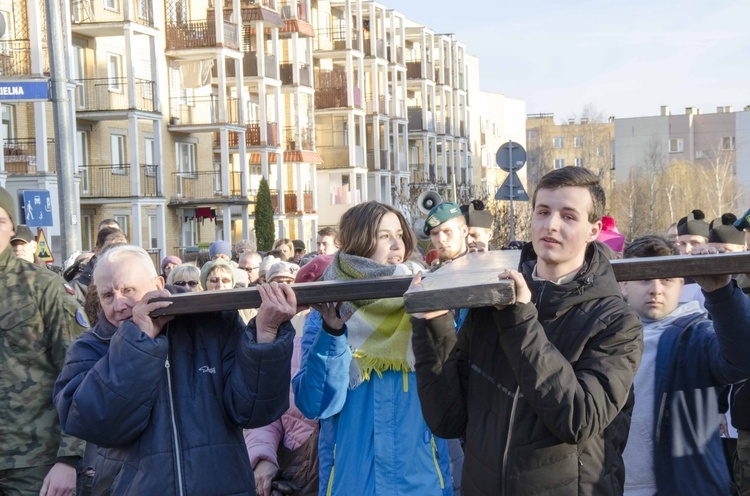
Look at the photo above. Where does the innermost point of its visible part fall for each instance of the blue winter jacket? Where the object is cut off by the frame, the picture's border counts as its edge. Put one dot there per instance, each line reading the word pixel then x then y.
pixel 373 438
pixel 692 361
pixel 167 413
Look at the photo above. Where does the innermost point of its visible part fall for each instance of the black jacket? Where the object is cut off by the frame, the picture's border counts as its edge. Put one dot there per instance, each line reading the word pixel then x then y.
pixel 541 391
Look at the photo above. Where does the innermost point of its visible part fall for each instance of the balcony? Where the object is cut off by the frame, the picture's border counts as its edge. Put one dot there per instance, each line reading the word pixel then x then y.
pixel 111 95
pixel 250 65
pixel 286 71
pixel 252 136
pixel 113 181
pixel 416 123
pixel 20 156
pixel 15 58
pixel 334 39
pixel 379 47
pixel 370 105
pixel 331 90
pixel 290 202
pixel 296 20
pixel 398 109
pixel 395 56
pixel 338 157
pixel 92 17
pixel 383 155
pixel 448 74
pixel 414 70
pixel 206 186
pixel 200 34
pixel 256 10
pixel 295 141
pixel 202 111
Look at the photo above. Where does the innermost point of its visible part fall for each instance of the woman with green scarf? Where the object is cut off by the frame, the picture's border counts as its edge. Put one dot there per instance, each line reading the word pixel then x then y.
pixel 357 372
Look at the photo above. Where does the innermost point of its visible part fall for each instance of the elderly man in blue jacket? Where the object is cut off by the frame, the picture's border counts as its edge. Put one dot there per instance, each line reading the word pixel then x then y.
pixel 674 445
pixel 166 398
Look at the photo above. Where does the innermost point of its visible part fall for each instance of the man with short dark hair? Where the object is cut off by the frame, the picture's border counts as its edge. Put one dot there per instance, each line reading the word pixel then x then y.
pixel 39 318
pixel 676 448
pixel 24 245
pixel 166 398
pixel 540 389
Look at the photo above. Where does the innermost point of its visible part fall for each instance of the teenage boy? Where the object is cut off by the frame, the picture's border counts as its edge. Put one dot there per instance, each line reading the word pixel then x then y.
pixel 675 447
pixel 541 389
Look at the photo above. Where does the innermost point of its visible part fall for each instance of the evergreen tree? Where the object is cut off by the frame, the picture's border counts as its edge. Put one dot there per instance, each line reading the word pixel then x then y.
pixel 265 232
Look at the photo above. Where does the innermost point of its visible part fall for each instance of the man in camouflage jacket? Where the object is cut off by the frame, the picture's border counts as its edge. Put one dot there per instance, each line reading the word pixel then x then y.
pixel 39 318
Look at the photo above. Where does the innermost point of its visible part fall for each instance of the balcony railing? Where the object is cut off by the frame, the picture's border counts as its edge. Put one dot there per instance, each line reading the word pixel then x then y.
pixel 295 141
pixel 396 56
pixel 290 202
pixel 288 12
pixel 328 39
pixel 200 34
pixel 416 123
pixel 111 11
pixel 269 4
pixel 370 105
pixel 108 94
pixel 383 155
pixel 250 65
pixel 337 98
pixel 113 181
pixel 379 47
pixel 252 136
pixel 201 111
pixel 20 156
pixel 206 185
pixel 414 70
pixel 15 58
pixel 286 72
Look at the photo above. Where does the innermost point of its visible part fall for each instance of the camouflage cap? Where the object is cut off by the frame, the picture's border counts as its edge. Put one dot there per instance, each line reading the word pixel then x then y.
pixel 439 214
pixel 8 204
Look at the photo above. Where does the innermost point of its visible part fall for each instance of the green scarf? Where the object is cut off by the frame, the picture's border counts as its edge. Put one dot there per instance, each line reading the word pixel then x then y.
pixel 379 331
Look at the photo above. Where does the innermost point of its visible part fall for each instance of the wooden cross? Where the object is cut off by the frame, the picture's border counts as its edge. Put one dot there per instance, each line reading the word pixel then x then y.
pixel 468 282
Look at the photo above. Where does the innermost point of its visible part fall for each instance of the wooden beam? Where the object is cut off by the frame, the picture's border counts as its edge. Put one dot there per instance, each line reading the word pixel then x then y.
pixel 468 282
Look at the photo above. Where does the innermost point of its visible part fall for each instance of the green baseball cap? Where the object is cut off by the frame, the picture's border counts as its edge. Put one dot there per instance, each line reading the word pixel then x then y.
pixel 439 214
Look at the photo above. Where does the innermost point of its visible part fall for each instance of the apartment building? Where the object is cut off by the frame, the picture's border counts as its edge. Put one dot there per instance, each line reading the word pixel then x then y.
pixel 580 143
pixel 180 107
pixel 693 137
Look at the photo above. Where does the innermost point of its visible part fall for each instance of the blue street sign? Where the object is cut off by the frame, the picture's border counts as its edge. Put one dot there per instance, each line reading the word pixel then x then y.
pixel 28 91
pixel 37 208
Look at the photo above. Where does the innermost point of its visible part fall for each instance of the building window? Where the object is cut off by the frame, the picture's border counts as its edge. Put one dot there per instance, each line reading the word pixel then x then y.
pixel 117 153
pixel 533 135
pixel 153 242
pixel 190 232
pixel 82 139
pixel 150 161
pixel 186 158
pixel 111 5
pixel 578 141
pixel 600 151
pixel 559 163
pixel 675 145
pixel 123 221
pixel 114 72
pixel 579 162
pixel 86 233
pixel 7 117
pixel 558 142
pixel 341 189
pixel 727 143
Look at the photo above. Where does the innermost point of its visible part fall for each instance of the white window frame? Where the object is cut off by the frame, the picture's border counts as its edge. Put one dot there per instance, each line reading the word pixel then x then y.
pixel 559 163
pixel 558 142
pixel 111 5
pixel 114 72
pixel 578 142
pixel 727 143
pixel 82 141
pixel 676 145
pixel 123 220
pixel 579 162
pixel 118 153
pixel 189 233
pixel 186 158
pixel 9 122
pixel 153 232
pixel 533 136
pixel 149 150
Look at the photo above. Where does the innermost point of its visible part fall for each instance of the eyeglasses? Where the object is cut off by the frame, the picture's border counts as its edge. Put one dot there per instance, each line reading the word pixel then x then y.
pixel 249 269
pixel 217 280
pixel 192 284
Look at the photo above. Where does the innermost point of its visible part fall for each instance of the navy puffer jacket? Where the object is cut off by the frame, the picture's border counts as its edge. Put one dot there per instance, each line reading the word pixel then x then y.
pixel 167 413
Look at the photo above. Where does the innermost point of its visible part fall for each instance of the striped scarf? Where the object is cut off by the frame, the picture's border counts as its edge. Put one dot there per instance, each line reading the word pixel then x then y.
pixel 379 331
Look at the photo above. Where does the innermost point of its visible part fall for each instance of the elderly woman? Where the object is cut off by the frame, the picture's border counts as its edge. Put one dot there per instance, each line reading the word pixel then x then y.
pixel 221 274
pixel 187 276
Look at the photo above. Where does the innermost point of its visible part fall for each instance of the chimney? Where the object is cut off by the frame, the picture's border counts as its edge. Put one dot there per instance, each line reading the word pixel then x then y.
pixel 571 121
pixel 665 110
pixel 747 108
pixel 720 110
pixel 728 109
pixel 584 120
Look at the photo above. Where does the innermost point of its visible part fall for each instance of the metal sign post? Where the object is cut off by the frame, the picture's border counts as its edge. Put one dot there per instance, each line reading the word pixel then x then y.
pixel 511 156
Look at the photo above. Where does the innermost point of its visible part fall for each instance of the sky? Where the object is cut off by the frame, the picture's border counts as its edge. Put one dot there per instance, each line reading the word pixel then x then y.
pixel 626 58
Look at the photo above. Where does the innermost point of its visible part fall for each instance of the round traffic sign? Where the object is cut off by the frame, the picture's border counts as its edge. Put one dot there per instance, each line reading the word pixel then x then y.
pixel 503 156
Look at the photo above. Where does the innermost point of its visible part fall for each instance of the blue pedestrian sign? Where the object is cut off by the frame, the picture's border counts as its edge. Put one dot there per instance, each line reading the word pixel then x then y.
pixel 37 208
pixel 27 91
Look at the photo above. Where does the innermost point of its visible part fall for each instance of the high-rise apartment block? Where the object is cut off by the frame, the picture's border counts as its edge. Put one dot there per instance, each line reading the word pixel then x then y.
pixel 180 107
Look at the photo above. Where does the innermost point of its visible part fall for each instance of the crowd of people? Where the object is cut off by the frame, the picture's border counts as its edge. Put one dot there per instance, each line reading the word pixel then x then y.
pixel 584 385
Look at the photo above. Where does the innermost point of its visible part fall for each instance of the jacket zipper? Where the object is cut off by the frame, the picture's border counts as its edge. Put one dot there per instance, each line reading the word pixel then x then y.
pixel 178 458
pixel 507 440
pixel 435 458
pixel 329 490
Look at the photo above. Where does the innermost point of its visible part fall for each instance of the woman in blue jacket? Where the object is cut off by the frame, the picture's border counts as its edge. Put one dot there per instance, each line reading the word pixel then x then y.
pixel 357 372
